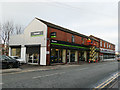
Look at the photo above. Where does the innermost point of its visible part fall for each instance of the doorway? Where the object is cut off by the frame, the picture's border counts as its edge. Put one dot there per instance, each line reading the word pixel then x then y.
pixel 81 56
pixel 72 56
pixel 33 54
pixel 68 56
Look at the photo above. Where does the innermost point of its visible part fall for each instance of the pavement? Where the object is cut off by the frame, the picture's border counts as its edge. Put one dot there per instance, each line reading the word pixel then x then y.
pixel 30 67
pixel 69 76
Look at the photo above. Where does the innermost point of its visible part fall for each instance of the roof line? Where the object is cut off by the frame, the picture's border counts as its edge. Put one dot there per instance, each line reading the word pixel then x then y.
pixel 61 28
pixel 102 39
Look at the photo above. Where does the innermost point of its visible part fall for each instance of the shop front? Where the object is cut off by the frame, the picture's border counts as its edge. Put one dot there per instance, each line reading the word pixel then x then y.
pixel 105 55
pixel 33 54
pixel 64 52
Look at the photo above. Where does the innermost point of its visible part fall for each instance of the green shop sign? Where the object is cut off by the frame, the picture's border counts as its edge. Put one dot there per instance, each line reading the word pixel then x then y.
pixel 36 34
pixel 69 45
pixel 53 34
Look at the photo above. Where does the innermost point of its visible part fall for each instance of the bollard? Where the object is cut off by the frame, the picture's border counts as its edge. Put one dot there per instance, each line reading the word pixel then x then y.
pixel 96 60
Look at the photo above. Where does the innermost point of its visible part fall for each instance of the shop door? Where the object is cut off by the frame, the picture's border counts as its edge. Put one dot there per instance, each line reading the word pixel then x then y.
pixel 88 56
pixel 68 56
pixel 81 56
pixel 72 56
pixel 101 57
pixel 33 58
pixel 33 54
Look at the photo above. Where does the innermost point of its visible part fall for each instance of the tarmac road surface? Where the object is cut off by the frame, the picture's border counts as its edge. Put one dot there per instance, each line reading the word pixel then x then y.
pixel 79 76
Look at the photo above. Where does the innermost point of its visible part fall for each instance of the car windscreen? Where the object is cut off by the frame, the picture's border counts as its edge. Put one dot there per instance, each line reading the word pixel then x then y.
pixel 3 57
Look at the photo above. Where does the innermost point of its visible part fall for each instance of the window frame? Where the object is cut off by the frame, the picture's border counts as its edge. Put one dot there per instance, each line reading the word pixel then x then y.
pixel 107 45
pixel 104 44
pixel 82 40
pixel 101 43
pixel 73 38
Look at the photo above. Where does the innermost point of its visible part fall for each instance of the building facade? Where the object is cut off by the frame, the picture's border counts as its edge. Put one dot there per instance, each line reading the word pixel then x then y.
pixel 1 49
pixel 45 43
pixel 107 49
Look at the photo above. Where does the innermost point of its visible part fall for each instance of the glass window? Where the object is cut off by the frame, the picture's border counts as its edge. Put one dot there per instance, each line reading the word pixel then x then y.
pixel 72 56
pixel 82 40
pixel 56 55
pixel 101 43
pixel 16 52
pixel 73 38
pixel 107 45
pixel 104 44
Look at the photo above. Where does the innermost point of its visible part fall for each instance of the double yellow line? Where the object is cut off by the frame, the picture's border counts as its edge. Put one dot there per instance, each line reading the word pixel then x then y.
pixel 102 85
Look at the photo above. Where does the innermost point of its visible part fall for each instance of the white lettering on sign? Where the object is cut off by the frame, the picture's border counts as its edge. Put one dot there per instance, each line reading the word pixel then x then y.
pixel 38 33
pixel 54 41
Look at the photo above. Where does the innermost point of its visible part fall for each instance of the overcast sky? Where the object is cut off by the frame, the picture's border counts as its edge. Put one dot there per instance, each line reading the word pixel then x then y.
pixel 93 17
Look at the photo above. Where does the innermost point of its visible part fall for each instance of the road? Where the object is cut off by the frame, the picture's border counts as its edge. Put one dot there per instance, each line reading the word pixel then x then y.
pixel 79 76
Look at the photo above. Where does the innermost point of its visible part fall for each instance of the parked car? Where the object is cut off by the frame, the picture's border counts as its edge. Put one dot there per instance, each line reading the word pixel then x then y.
pixel 18 59
pixel 8 62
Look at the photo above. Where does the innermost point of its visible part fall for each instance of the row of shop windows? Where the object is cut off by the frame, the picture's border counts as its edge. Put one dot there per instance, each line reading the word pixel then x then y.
pixel 108 56
pixel 16 52
pixel 57 56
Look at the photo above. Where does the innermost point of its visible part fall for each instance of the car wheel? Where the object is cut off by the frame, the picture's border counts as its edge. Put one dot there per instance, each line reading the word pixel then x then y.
pixel 10 66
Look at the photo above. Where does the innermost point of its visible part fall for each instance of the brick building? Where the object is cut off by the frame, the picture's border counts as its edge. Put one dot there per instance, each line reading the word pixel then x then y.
pixel 107 49
pixel 45 43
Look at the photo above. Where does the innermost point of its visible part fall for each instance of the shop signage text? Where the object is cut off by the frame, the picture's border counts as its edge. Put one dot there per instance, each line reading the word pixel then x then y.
pixel 53 34
pixel 38 33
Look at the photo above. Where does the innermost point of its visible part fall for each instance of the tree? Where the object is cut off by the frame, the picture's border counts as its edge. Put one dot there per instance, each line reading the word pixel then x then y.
pixel 7 29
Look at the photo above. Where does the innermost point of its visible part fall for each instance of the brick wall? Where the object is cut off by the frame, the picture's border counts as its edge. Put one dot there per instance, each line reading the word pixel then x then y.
pixel 67 37
pixel 112 46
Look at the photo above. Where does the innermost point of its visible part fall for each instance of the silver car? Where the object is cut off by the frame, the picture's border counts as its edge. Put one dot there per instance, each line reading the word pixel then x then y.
pixel 18 59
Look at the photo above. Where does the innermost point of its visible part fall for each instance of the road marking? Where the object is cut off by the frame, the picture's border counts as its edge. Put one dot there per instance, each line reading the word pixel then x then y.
pixel 82 69
pixel 24 71
pixel 105 83
pixel 109 82
pixel 113 84
pixel 48 75
pixel 55 74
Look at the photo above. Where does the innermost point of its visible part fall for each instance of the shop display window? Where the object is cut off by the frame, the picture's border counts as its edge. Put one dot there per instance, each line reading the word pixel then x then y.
pixel 16 52
pixel 56 55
